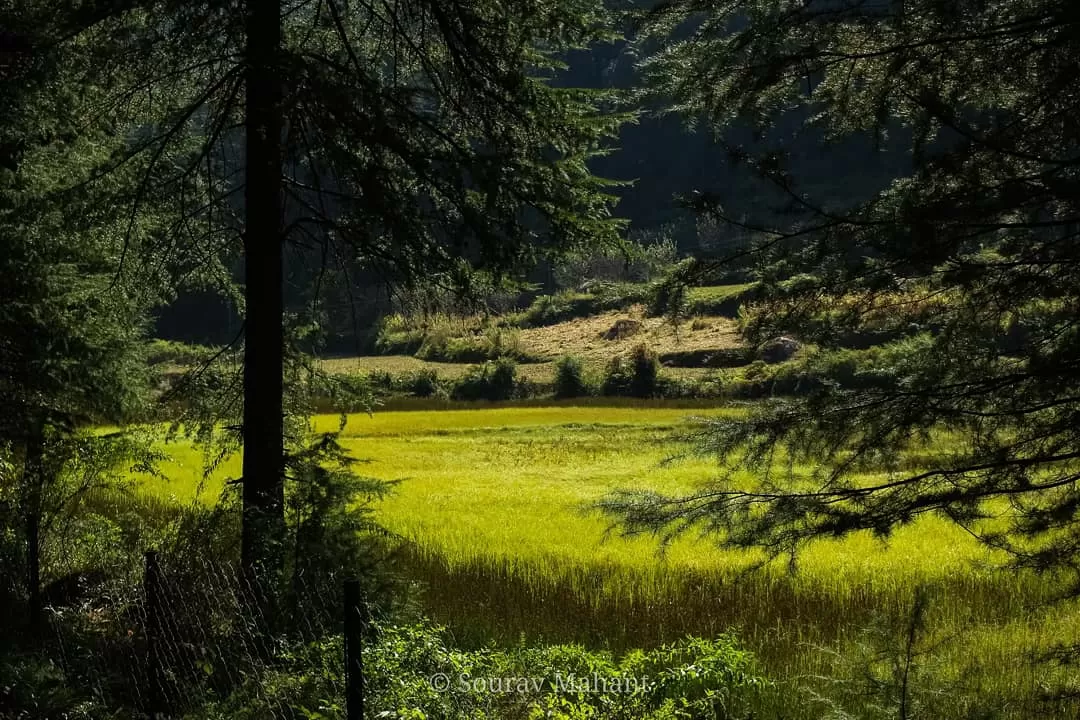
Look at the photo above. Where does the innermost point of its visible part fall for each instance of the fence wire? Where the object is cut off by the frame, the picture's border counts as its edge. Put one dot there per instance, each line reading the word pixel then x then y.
pixel 176 636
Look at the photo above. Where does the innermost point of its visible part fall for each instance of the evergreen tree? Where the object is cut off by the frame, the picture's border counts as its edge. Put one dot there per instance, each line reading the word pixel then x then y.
pixel 70 336
pixel 419 137
pixel 971 262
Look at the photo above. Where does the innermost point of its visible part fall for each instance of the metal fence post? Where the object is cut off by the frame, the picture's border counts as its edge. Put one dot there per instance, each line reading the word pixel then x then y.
pixel 355 624
pixel 152 587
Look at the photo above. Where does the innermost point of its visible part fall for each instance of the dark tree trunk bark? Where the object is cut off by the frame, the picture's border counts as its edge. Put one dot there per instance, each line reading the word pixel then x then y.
pixel 263 533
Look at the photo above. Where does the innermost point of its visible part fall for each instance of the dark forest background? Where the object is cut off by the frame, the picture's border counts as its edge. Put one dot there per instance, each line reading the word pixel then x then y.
pixel 662 159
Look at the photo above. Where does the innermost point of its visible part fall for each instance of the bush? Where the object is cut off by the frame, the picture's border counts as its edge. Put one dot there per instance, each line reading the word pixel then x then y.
pixel 423 383
pixel 645 367
pixel 710 358
pixel 490 342
pixel 570 378
pixel 675 388
pixel 693 678
pixel 445 338
pixel 636 375
pixel 724 300
pixel 34 686
pixel 381 379
pixel 502 378
pixel 397 335
pixel 668 297
pixel 172 352
pixel 617 378
pixel 845 369
pixel 494 380
pixel 566 305
pixel 645 255
pixel 552 309
pixel 502 342
pixel 348 393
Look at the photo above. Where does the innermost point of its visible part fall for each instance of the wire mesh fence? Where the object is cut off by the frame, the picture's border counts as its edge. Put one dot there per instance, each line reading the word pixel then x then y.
pixel 177 635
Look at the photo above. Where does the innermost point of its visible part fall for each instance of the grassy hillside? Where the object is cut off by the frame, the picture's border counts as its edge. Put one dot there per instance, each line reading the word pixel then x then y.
pixel 700 352
pixel 595 327
pixel 595 339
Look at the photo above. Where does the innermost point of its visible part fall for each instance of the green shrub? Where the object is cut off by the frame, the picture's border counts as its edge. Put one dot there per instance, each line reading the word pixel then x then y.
pixel 490 343
pixel 503 375
pixel 570 378
pixel 667 297
pixel 398 335
pixel 618 295
pixel 617 377
pixel 725 300
pixel 446 338
pixel 693 678
pixel 172 352
pixel 35 686
pixel 381 380
pixel 494 380
pixel 552 309
pixel 675 388
pixel 646 253
pixel 636 375
pixel 844 369
pixel 423 383
pixel 441 343
pixel 500 342
pixel 711 358
pixel 645 370
pixel 347 393
pixel 756 370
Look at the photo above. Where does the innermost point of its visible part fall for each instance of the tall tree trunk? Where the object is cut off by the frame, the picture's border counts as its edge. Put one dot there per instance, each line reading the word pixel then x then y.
pixel 34 488
pixel 263 533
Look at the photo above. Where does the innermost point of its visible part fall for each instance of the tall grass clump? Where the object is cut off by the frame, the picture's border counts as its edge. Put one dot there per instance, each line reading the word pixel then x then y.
pixel 447 338
pixel 397 334
pixel 498 342
pixel 557 308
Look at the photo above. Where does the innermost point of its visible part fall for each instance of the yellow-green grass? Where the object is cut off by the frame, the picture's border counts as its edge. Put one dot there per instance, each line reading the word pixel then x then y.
pixel 710 293
pixel 492 501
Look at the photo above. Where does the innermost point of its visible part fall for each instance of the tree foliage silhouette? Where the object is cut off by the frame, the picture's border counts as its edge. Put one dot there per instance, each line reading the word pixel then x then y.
pixel 419 137
pixel 971 263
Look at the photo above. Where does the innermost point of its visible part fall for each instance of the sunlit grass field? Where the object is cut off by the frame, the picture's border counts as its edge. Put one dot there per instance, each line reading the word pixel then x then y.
pixel 494 504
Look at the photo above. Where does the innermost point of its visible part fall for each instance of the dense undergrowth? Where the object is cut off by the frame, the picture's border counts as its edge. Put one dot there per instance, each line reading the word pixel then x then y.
pixel 109 650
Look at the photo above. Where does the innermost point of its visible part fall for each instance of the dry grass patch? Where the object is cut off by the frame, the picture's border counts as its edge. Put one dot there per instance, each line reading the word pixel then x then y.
pixel 586 337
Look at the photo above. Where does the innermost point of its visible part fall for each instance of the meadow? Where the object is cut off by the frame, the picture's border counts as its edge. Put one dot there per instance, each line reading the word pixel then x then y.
pixel 494 504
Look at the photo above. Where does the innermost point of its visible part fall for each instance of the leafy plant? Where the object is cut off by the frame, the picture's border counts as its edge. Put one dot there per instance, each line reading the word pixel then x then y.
pixel 636 374
pixel 570 377
pixel 424 383
pixel 493 380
